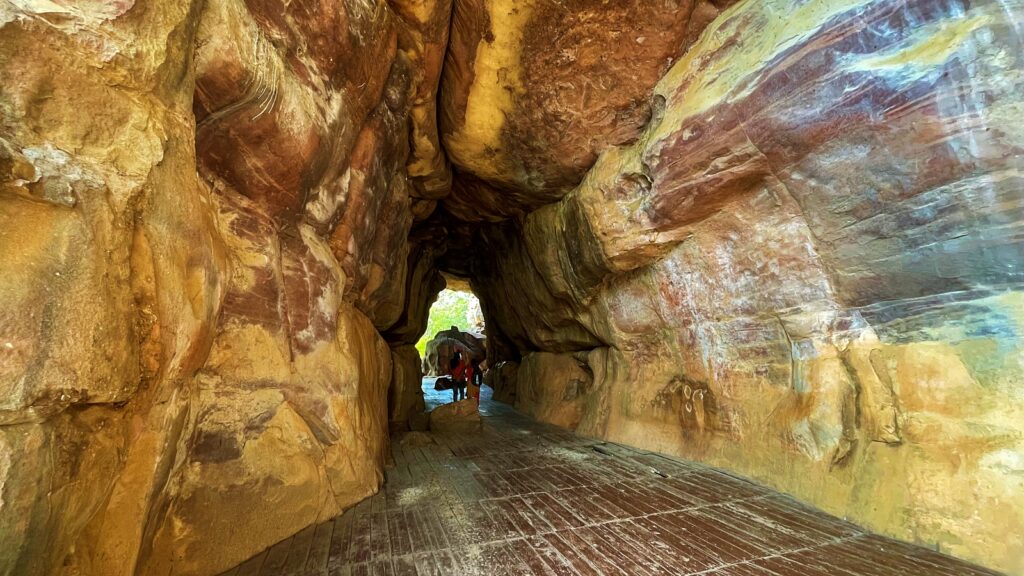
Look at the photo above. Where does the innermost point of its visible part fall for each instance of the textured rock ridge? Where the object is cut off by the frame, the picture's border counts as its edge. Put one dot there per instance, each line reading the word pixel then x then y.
pixel 783 238
pixel 206 216
pixel 533 91
pixel 806 268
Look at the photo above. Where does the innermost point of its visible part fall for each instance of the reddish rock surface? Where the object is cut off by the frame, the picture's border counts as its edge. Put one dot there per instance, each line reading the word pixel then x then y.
pixel 220 191
pixel 779 238
pixel 806 269
pixel 533 91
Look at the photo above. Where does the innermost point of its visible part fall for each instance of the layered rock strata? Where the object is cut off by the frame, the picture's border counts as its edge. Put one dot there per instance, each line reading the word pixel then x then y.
pixel 807 268
pixel 205 217
pixel 534 90
pixel 781 238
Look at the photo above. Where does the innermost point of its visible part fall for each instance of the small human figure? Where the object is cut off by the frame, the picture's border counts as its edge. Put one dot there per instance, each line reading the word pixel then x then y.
pixel 479 368
pixel 476 379
pixel 458 368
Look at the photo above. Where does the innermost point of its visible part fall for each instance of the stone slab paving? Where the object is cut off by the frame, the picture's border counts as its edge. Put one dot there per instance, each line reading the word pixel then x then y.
pixel 523 498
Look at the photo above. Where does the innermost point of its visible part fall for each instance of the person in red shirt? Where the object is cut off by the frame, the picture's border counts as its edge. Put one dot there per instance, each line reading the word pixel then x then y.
pixel 458 367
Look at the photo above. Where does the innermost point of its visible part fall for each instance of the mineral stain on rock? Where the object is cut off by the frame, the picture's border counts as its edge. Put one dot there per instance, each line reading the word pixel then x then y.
pixel 784 239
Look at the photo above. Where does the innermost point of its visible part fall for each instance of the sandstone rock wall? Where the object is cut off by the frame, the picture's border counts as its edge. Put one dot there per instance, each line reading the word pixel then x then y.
pixel 806 269
pixel 782 238
pixel 406 393
pixel 503 379
pixel 552 388
pixel 204 219
pixel 534 90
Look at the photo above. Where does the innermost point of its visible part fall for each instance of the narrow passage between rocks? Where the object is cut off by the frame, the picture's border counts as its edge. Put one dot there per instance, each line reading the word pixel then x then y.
pixel 782 240
pixel 522 498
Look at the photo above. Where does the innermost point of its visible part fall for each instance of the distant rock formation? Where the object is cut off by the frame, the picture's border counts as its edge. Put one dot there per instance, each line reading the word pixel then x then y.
pixel 443 346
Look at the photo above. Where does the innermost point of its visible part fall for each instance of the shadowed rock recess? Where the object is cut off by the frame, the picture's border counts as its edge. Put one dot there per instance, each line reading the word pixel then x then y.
pixel 784 239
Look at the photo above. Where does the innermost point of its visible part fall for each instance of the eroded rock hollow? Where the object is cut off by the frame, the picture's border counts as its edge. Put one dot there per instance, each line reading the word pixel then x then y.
pixel 782 238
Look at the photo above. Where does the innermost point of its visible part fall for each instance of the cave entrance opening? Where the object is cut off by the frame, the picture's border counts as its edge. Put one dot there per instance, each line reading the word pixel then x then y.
pixel 452 347
pixel 454 309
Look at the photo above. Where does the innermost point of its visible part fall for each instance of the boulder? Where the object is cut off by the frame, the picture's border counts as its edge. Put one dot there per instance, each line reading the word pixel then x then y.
pixel 415 439
pixel 461 416
pixel 445 343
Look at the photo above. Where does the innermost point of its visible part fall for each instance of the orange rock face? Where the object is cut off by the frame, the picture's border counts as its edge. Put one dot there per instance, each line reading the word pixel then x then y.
pixel 783 238
pixel 220 191
pixel 805 269
pixel 534 91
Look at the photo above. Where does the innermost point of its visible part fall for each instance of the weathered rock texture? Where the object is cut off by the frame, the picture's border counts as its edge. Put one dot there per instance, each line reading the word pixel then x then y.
pixel 205 221
pixel 534 90
pixel 552 388
pixel 784 238
pixel 461 416
pixel 807 268
pixel 406 395
pixel 503 379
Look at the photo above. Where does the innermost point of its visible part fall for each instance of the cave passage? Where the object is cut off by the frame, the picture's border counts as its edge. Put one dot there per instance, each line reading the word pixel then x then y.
pixel 518 497
pixel 712 241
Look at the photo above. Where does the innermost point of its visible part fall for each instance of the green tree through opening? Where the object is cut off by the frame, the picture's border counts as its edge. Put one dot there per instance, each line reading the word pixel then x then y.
pixel 452 308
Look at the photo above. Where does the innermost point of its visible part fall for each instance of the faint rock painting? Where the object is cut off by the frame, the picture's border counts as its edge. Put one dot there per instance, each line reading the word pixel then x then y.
pixel 693 403
pixel 576 388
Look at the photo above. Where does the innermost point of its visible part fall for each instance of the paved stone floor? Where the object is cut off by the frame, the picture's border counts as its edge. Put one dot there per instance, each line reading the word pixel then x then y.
pixel 524 498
